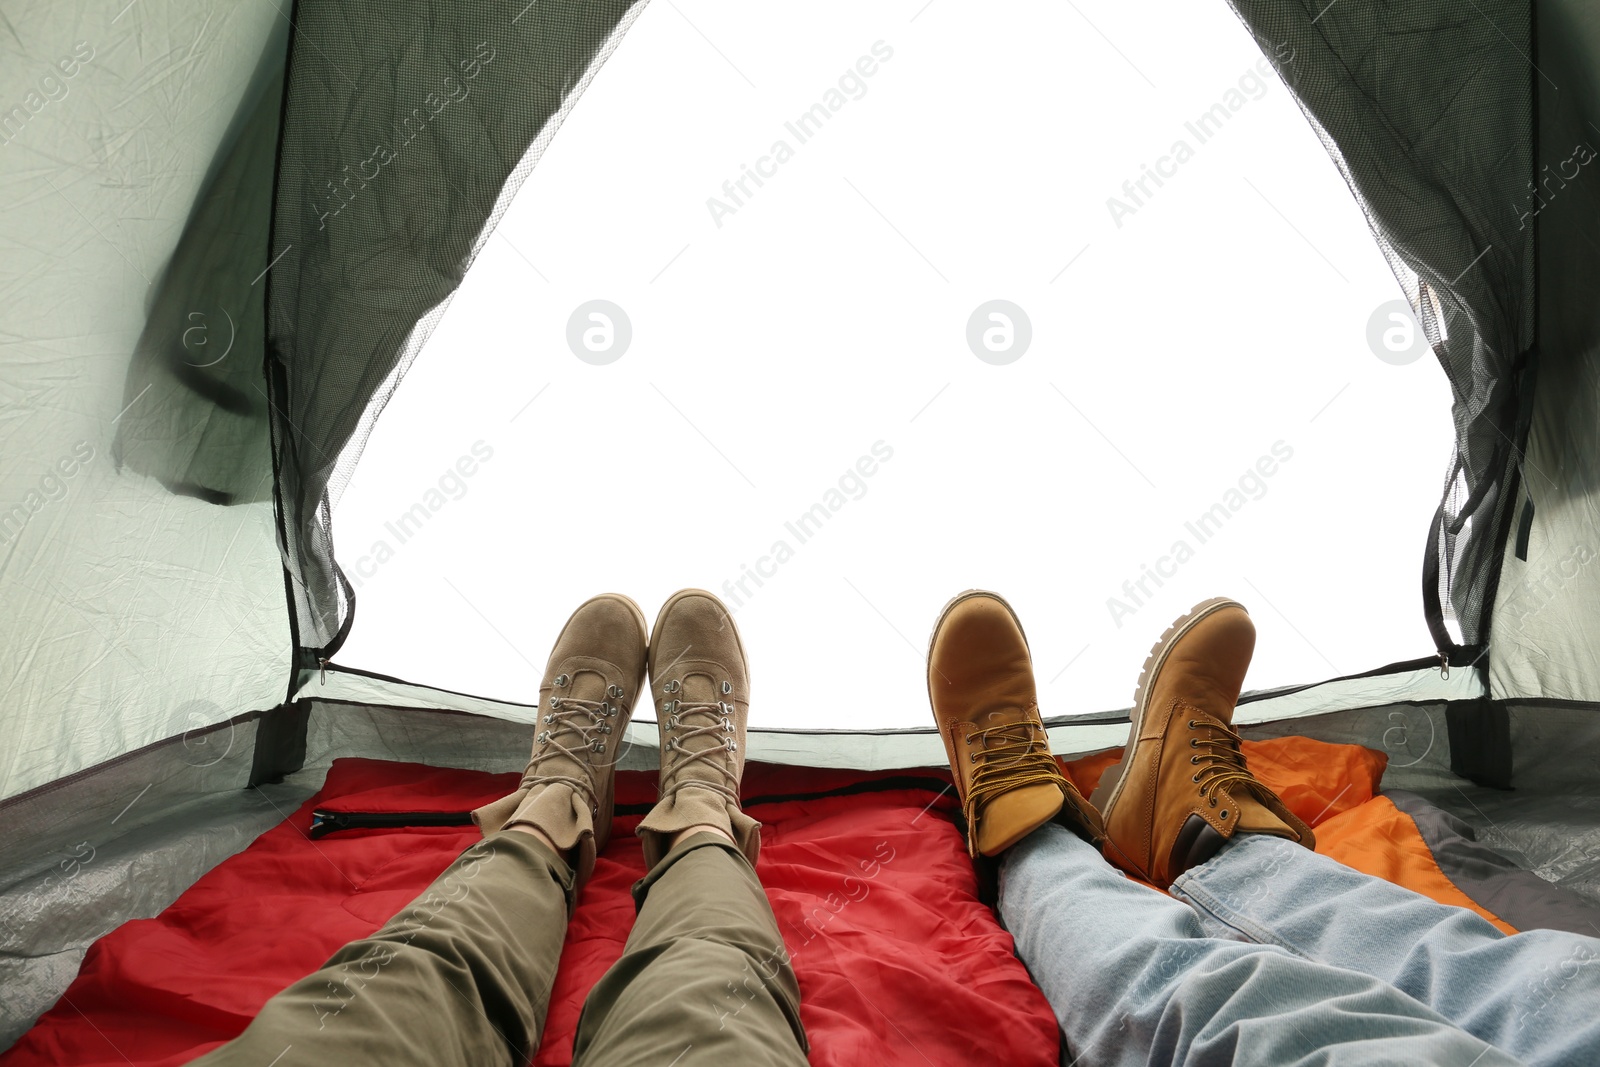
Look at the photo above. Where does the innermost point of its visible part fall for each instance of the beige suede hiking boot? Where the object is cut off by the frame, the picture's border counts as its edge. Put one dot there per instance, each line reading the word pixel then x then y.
pixel 980 684
pixel 700 681
pixel 591 681
pixel 1182 788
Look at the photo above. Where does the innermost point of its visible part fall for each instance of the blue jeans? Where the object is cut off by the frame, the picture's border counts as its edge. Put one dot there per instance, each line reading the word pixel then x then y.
pixel 1270 954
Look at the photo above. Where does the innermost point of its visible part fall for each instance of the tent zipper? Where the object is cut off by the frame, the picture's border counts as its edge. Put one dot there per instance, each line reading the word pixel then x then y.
pixel 325 822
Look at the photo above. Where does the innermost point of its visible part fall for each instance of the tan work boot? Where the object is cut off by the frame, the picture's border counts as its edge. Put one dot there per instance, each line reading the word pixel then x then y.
pixel 700 682
pixel 980 684
pixel 590 684
pixel 1182 788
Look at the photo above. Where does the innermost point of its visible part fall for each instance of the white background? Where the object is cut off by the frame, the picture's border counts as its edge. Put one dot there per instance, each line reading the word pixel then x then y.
pixel 1227 313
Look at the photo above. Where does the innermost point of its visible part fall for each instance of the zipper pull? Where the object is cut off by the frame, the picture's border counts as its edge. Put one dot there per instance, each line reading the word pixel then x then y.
pixel 323 679
pixel 326 822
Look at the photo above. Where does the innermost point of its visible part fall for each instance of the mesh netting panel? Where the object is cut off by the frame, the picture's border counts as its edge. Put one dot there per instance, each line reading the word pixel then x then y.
pixel 1427 109
pixel 407 128
pixel 195 413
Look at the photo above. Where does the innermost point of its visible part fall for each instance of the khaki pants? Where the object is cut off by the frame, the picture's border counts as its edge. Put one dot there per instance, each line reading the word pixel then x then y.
pixel 462 975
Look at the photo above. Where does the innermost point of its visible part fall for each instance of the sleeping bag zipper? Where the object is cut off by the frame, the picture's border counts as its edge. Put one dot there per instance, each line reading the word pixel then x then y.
pixel 324 823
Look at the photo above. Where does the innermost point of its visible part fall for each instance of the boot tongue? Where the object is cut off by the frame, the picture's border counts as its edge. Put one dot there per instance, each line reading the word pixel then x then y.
pixel 585 685
pixel 700 689
pixel 1007 818
pixel 1255 817
pixel 575 730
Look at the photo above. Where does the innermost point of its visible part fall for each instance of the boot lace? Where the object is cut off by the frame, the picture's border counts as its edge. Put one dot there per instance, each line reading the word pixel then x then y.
pixel 1220 759
pixel 574 728
pixel 714 720
pixel 1013 754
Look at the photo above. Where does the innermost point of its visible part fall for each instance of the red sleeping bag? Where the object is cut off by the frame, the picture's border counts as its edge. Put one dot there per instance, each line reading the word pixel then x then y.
pixel 898 960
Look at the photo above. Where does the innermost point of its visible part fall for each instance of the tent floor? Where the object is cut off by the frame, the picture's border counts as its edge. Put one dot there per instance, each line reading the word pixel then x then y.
pixel 49 919
pixel 129 837
pixel 1556 837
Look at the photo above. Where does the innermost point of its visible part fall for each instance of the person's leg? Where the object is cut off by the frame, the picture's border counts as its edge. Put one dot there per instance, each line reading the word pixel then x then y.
pixel 462 975
pixel 705 977
pixel 1128 971
pixel 1532 994
pixel 1133 979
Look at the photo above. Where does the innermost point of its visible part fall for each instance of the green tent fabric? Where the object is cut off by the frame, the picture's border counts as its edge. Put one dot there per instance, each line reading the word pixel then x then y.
pixel 1397 129
pixel 228 229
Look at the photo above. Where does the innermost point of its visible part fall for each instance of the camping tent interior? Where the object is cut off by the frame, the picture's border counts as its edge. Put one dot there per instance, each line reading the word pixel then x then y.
pixel 235 368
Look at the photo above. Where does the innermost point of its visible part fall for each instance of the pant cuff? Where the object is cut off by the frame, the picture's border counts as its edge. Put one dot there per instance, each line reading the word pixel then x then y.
pixel 536 854
pixel 706 839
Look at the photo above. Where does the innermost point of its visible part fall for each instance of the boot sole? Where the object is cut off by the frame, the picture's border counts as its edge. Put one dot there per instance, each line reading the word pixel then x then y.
pixel 1109 790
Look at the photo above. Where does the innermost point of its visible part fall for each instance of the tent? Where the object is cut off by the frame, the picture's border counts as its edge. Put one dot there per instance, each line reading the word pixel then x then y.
pixel 230 230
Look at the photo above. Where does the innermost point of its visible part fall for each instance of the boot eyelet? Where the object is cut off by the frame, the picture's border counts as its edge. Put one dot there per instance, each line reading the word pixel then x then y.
pixel 1223 814
pixel 561 681
pixel 1194 742
pixel 1213 802
pixel 1194 759
pixel 615 692
pixel 973 758
pixel 727 687
pixel 1193 724
pixel 671 686
pixel 1196 778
